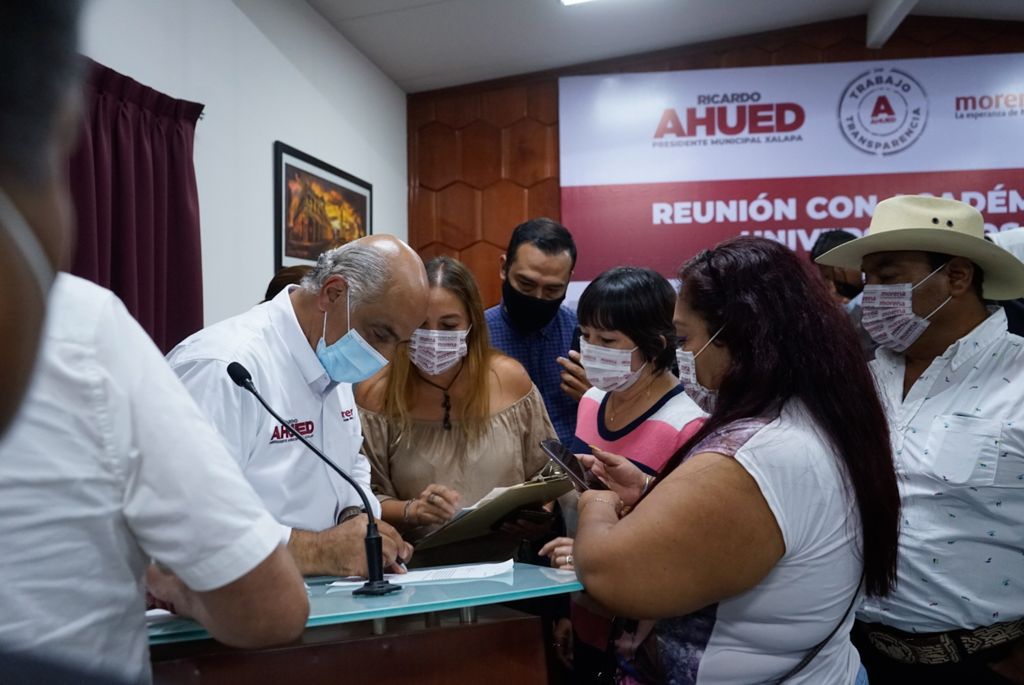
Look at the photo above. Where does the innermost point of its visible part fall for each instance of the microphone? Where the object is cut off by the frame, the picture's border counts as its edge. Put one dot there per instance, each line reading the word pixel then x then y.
pixel 375 583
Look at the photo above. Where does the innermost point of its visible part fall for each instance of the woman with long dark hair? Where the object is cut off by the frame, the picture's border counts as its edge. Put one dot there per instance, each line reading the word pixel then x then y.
pixel 761 533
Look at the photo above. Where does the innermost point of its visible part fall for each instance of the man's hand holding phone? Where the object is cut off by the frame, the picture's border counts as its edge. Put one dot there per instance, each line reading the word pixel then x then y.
pixel 529 524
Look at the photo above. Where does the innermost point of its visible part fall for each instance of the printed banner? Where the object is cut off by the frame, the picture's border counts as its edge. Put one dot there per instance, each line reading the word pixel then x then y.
pixel 655 167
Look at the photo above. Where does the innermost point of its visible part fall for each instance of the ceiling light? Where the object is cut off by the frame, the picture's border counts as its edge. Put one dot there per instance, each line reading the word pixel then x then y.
pixel 574 2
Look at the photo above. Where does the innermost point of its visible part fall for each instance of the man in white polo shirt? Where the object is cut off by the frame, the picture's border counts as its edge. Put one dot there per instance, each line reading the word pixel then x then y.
pixel 952 380
pixel 305 349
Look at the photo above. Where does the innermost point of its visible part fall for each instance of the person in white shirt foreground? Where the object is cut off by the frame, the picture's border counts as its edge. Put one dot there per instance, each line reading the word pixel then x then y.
pixel 952 382
pixel 305 349
pixel 109 465
pixel 758 536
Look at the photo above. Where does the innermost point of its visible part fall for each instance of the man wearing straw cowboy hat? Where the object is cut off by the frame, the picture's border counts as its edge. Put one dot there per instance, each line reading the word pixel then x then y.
pixel 952 379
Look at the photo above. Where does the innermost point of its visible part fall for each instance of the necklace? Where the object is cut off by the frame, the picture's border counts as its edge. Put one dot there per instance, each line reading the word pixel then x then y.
pixel 613 396
pixel 446 403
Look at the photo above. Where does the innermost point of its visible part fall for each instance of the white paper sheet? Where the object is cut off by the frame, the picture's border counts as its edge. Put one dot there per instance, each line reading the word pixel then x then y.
pixel 434 575
pixel 493 494
pixel 154 616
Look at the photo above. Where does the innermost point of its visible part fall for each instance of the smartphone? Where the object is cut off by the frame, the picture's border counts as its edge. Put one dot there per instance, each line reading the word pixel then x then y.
pixel 563 456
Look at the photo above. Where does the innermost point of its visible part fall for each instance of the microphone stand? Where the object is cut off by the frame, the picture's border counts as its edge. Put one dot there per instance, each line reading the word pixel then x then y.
pixel 375 584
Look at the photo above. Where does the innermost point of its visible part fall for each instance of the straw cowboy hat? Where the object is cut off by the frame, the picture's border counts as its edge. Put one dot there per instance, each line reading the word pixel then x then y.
pixel 931 224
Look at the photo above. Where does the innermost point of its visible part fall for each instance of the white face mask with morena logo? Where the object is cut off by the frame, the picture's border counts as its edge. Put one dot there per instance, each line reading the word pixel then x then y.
pixel 705 398
pixel 608 369
pixel 434 352
pixel 887 314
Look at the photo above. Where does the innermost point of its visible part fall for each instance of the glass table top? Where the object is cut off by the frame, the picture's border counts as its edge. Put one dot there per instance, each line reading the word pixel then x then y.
pixel 328 606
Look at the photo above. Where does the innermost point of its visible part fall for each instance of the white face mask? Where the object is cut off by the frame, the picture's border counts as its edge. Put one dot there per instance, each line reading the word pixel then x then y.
pixel 27 243
pixel 607 368
pixel 434 352
pixel 887 314
pixel 687 361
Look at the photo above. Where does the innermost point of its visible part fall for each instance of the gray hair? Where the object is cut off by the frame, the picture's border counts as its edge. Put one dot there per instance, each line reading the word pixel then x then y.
pixel 365 268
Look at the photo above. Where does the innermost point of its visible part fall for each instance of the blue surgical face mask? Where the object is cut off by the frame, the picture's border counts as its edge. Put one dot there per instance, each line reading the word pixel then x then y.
pixel 349 359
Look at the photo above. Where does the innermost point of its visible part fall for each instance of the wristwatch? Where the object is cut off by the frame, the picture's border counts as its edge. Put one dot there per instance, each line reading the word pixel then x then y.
pixel 349 513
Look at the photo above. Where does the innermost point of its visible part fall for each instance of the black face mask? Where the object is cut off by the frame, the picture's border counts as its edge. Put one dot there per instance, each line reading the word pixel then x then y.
pixel 528 314
pixel 848 290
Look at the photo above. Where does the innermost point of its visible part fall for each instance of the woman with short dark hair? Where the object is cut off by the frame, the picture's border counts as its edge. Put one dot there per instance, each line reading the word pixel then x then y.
pixel 636 408
pixel 761 531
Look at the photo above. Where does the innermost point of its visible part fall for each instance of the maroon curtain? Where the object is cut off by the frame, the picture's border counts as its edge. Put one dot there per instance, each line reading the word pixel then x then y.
pixel 133 183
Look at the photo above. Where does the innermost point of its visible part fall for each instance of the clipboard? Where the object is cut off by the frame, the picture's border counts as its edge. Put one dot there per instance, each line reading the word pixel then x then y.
pixel 479 519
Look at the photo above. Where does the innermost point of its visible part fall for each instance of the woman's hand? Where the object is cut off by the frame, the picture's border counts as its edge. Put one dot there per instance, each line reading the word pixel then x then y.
pixel 435 505
pixel 560 551
pixel 562 635
pixel 622 476
pixel 574 376
pixel 605 501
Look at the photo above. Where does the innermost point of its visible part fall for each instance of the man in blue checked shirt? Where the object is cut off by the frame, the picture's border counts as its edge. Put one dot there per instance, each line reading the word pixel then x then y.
pixel 531 325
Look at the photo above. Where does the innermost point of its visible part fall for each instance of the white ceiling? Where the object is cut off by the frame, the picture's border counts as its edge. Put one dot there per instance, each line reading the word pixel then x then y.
pixel 428 44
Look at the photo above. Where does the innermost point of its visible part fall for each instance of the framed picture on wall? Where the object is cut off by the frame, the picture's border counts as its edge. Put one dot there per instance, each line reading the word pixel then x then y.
pixel 316 207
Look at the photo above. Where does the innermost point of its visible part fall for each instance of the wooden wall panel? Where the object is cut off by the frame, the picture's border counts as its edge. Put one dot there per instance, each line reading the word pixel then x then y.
pixel 484 157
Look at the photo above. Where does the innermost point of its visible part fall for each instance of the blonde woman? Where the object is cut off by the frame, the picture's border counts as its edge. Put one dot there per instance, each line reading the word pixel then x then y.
pixel 450 418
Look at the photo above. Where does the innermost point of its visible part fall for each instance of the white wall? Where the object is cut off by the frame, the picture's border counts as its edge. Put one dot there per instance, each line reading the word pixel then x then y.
pixel 266 70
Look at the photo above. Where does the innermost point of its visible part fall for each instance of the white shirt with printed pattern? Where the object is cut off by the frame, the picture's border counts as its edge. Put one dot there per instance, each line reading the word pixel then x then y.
pixel 958 442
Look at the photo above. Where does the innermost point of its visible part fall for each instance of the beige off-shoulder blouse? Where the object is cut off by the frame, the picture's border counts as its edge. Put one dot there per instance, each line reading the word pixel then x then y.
pixel 507 453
